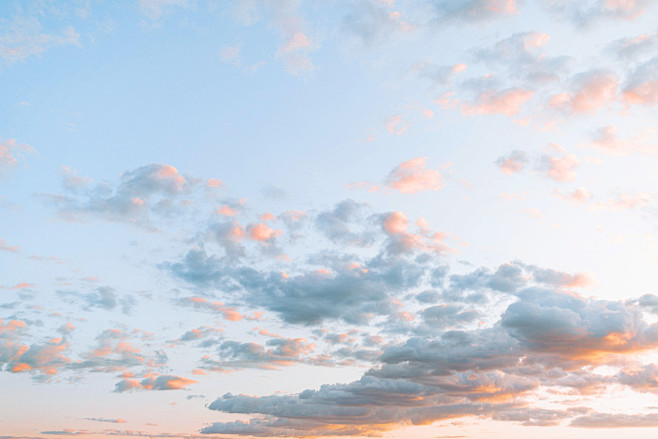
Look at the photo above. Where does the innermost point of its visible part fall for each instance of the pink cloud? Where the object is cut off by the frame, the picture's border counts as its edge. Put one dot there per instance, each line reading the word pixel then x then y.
pixel 560 168
pixel 605 139
pixel 9 248
pixel 579 195
pixel 645 93
pixel 411 177
pixel 513 162
pixel 396 224
pixel 226 211
pixel 262 232
pixel 267 217
pixel 229 314
pixel 594 91
pixel 213 182
pixel 394 125
pixel 508 102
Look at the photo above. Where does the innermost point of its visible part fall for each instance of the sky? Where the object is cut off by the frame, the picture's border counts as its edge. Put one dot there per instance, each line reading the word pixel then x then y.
pixel 332 218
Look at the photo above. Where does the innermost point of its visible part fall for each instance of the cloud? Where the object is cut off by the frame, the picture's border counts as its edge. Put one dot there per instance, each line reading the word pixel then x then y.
pixel 9 248
pixel 642 86
pixel 104 298
pixel 150 190
pixel 297 40
pixel 45 358
pixel 11 154
pixel 475 10
pixel 587 13
pixel 411 177
pixel 612 420
pixel 579 195
pixel 560 168
pixel 276 353
pixel 591 92
pixel 488 372
pixel 71 180
pixel 22 38
pixel 109 420
pixel 312 296
pixel 508 102
pixel 605 139
pixel 200 303
pixel 344 224
pixel 162 382
pixel 513 162
pixel 522 56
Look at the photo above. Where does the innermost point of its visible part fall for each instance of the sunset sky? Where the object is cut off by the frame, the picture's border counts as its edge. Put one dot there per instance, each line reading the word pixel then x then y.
pixel 329 218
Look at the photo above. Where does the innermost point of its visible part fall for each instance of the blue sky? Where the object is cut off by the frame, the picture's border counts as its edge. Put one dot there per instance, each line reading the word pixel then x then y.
pixel 275 218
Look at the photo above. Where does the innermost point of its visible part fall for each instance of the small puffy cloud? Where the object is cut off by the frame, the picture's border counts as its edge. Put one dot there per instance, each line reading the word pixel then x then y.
pixel 591 92
pixel 560 168
pixel 46 358
pixel 71 180
pixel 508 102
pixel 411 177
pixel 162 382
pixel 261 232
pixel 513 162
pixel 11 154
pixel 166 382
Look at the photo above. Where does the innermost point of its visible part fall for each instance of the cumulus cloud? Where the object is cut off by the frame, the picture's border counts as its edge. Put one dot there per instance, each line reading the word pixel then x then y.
pixel 590 92
pixel 277 352
pixel 141 193
pixel 513 162
pixel 411 177
pixel 485 372
pixel 560 168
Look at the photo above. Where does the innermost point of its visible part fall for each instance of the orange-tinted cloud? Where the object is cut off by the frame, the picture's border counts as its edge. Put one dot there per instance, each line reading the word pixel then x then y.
pixel 507 102
pixel 411 177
